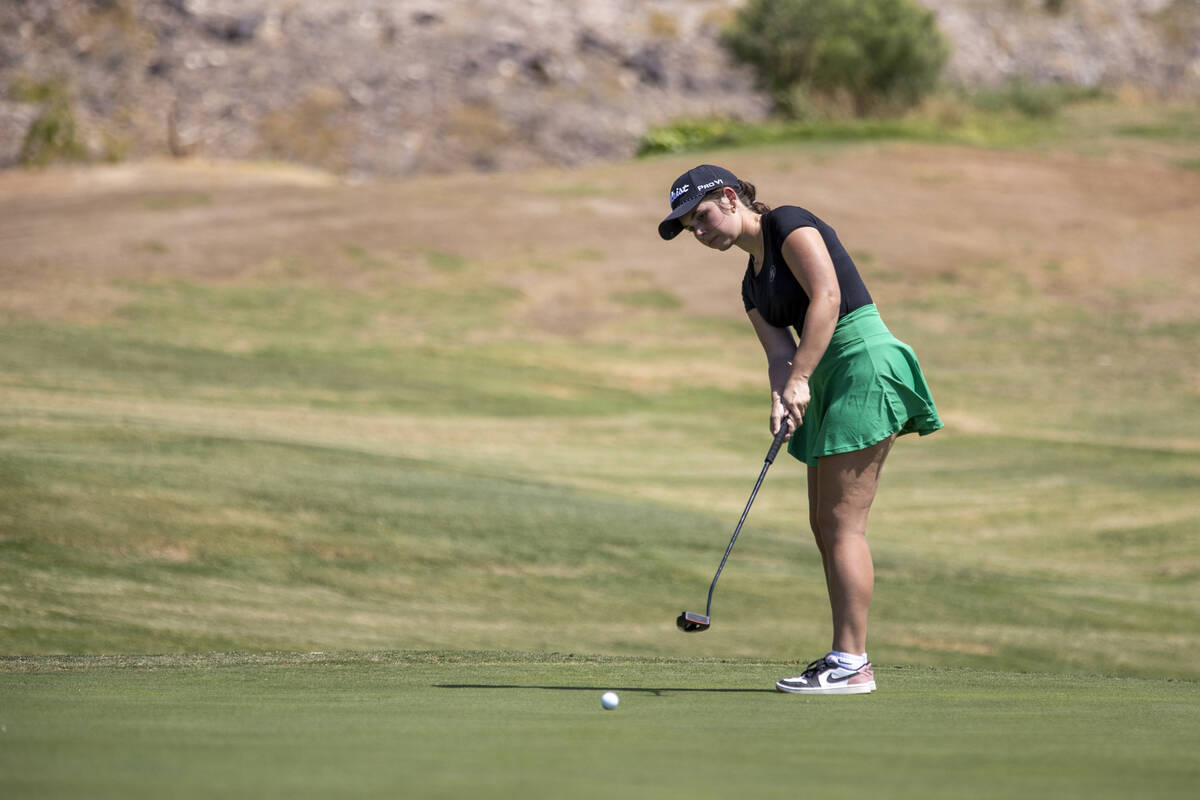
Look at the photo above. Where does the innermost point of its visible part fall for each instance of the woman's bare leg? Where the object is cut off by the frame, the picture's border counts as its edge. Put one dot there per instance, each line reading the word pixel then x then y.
pixel 841 489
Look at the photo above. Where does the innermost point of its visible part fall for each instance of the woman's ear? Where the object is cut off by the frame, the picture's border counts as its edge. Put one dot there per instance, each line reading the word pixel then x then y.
pixel 730 197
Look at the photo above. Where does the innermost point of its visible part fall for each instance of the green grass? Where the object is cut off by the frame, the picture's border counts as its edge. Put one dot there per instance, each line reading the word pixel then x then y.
pixel 1013 116
pixel 106 522
pixel 1182 123
pixel 469 724
pixel 286 465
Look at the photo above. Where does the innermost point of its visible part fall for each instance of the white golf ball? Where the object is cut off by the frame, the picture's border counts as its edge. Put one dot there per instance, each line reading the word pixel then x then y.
pixel 609 700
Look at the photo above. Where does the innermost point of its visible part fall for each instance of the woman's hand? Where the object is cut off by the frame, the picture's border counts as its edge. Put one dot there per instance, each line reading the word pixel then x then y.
pixel 779 416
pixel 794 401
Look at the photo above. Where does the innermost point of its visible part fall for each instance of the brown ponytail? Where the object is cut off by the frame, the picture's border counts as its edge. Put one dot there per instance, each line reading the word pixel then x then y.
pixel 747 192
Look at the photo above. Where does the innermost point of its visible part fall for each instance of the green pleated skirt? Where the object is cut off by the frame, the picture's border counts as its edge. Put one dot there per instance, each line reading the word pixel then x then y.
pixel 867 387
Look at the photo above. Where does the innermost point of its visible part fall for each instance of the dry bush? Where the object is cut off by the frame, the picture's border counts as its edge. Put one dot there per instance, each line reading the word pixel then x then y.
pixel 313 131
pixel 662 25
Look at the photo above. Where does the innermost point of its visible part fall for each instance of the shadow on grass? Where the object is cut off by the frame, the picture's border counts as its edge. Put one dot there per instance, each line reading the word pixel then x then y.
pixel 657 692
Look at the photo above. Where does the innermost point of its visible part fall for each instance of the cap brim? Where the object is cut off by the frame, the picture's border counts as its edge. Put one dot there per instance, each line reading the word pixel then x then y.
pixel 671 227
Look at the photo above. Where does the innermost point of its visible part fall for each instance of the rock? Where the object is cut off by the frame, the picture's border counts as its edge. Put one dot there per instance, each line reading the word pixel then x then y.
pixel 235 30
pixel 15 122
pixel 649 66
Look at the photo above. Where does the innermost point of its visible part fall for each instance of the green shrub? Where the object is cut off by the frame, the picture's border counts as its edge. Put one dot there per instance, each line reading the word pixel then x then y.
pixel 54 134
pixel 882 55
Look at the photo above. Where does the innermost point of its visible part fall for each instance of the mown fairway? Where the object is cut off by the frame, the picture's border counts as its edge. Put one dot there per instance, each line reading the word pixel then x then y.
pixel 250 410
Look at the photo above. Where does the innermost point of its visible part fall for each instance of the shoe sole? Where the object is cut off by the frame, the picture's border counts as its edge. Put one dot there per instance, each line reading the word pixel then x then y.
pixel 862 688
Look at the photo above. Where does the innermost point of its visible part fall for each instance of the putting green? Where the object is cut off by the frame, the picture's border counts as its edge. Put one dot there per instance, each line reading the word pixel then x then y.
pixel 509 724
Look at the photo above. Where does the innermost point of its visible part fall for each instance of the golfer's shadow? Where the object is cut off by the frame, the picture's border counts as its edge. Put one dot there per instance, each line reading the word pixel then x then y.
pixel 657 692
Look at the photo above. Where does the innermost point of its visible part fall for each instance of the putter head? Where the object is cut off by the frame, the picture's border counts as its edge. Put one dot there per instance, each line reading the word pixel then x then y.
pixel 692 623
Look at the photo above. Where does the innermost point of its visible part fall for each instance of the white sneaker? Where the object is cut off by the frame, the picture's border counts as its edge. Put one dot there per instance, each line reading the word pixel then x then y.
pixel 826 676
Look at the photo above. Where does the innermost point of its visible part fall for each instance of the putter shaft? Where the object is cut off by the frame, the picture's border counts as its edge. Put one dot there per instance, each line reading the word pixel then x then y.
pixel 695 622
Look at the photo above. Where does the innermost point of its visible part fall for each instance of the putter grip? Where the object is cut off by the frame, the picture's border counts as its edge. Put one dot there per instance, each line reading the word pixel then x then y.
pixel 775 445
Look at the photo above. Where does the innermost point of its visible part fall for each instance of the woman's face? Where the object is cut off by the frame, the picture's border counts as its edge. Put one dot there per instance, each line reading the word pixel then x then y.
pixel 714 222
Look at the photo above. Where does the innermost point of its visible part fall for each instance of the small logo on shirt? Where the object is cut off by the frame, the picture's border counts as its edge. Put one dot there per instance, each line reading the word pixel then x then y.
pixel 771 274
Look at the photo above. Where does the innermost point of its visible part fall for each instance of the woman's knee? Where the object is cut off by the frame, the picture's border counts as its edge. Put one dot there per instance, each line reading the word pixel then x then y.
pixel 832 525
pixel 825 523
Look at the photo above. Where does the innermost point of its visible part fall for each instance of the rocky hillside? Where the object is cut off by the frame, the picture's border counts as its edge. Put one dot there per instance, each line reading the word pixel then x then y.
pixel 391 87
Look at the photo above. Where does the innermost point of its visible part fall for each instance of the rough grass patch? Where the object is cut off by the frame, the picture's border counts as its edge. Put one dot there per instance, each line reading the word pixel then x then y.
pixel 1038 100
pixel 445 262
pixel 590 254
pixel 582 190
pixel 174 201
pixel 1180 127
pixel 648 298
pixel 362 257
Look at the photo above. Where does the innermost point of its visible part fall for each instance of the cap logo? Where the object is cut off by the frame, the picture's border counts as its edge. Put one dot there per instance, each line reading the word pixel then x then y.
pixel 700 189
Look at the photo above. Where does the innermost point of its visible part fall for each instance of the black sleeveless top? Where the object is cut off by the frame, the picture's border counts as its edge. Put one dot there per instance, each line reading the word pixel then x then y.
pixel 775 292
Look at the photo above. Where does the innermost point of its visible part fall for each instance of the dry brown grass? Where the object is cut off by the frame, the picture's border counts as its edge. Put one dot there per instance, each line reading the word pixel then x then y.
pixel 1113 234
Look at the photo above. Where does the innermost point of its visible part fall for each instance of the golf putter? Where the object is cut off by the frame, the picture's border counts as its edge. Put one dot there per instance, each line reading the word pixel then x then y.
pixel 693 623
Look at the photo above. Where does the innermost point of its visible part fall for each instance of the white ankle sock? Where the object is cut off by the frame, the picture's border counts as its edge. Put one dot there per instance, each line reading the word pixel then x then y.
pixel 849 660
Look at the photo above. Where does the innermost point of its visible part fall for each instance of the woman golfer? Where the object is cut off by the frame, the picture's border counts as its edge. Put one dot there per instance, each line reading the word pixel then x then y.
pixel 846 390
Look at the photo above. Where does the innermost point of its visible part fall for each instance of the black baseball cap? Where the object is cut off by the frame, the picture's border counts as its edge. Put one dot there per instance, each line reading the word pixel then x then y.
pixel 689 189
